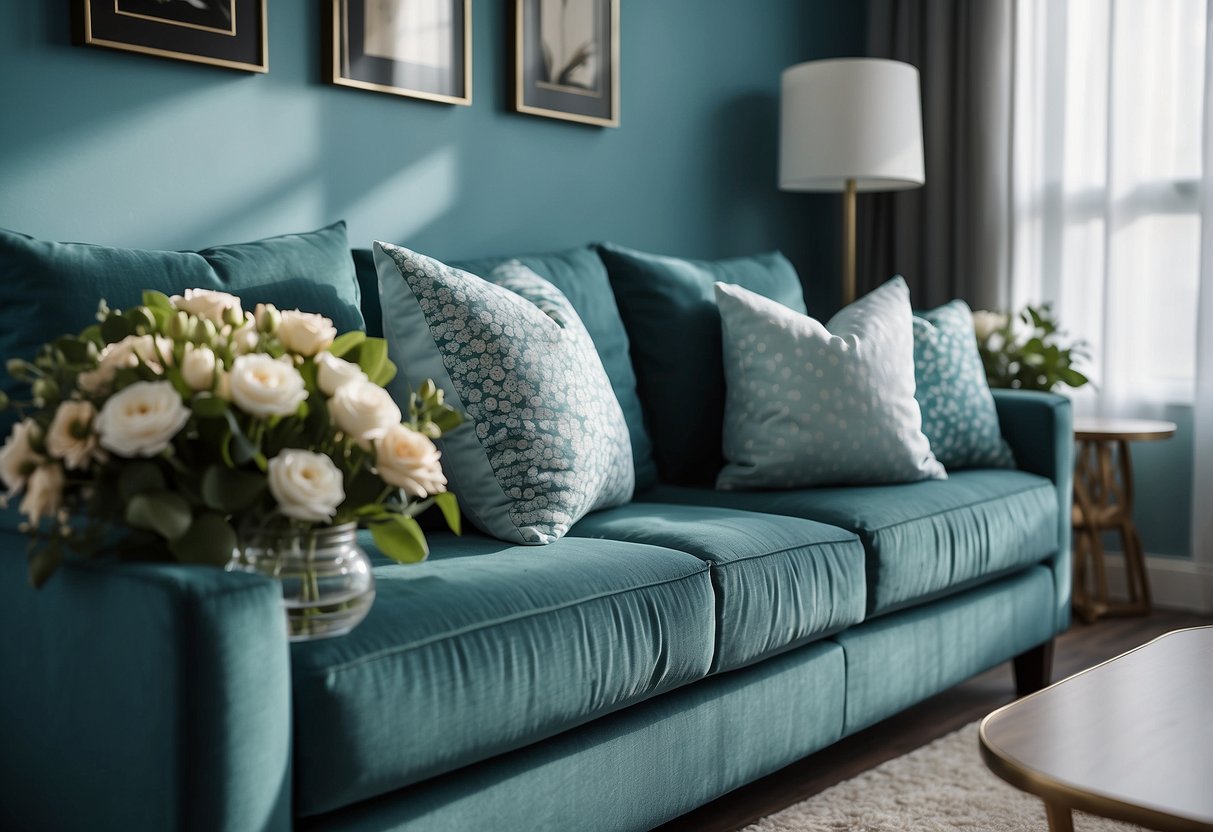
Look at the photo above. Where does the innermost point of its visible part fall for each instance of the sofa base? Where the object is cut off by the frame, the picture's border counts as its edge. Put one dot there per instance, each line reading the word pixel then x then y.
pixel 1034 669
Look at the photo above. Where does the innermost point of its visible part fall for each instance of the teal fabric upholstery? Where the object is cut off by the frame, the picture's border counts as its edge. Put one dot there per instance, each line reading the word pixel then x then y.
pixel 780 581
pixel 669 308
pixel 546 441
pixel 922 539
pixel 580 275
pixel 958 414
pixel 48 289
pixel 142 696
pixel 1039 427
pixel 635 769
pixel 488 647
pixel 901 659
pixel 368 287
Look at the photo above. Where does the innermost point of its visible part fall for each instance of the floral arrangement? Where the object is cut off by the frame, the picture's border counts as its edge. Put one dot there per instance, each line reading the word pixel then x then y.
pixel 188 422
pixel 1028 351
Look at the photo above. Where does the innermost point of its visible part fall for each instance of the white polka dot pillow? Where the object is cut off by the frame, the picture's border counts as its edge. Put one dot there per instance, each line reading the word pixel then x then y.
pixel 547 441
pixel 958 413
pixel 812 404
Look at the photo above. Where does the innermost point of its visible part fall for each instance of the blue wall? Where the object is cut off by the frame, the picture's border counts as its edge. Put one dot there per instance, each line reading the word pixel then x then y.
pixel 128 150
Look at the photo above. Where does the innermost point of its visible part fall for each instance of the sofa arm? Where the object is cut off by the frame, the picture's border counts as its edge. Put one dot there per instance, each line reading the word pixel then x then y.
pixel 142 696
pixel 1039 428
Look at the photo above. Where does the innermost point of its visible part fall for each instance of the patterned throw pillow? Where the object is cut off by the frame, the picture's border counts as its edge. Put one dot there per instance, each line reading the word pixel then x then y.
pixel 547 441
pixel 809 404
pixel 958 414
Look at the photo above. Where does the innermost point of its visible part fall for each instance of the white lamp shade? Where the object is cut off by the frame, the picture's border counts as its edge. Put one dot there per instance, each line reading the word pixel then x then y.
pixel 850 118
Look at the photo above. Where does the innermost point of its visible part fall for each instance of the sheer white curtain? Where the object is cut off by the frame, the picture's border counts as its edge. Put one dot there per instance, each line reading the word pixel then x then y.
pixel 1106 173
pixel 1202 508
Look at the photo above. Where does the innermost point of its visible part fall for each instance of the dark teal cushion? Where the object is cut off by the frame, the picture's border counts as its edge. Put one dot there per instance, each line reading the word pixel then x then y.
pixel 580 275
pixel 48 289
pixel 922 539
pixel 669 308
pixel 780 581
pixel 489 647
pixel 368 285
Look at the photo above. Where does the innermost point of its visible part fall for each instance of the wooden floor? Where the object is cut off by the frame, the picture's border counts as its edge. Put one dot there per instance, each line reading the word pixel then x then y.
pixel 1084 645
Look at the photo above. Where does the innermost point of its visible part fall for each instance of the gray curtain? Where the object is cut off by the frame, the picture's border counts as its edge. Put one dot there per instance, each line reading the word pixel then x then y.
pixel 950 238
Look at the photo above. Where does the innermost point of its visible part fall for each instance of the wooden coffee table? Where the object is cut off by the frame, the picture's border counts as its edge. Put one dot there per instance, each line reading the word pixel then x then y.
pixel 1130 739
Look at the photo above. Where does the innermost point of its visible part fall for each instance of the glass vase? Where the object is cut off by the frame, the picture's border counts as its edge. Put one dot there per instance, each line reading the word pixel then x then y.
pixel 326 578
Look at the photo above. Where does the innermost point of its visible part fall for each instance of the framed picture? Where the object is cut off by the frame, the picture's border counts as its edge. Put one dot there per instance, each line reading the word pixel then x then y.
pixel 228 33
pixel 418 48
pixel 566 59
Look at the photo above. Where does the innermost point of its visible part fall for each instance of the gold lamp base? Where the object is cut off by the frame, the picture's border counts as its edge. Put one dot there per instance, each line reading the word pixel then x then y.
pixel 848 243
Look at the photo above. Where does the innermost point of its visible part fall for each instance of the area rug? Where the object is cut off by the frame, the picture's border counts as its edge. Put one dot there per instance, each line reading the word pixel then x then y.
pixel 941 787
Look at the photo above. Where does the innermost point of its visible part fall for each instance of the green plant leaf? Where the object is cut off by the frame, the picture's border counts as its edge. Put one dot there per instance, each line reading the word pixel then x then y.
pixel 115 328
pixel 140 478
pixel 449 506
pixel 43 563
pixel 371 356
pixel 240 447
pixel 163 512
pixel 401 539
pixel 347 341
pixel 386 372
pixel 210 540
pixel 156 300
pixel 74 349
pixel 207 406
pixel 229 491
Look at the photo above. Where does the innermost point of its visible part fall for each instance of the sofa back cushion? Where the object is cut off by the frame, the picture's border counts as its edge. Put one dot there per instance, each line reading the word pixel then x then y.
pixel 669 308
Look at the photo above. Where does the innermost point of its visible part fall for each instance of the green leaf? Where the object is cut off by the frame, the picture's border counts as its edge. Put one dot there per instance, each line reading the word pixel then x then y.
pixel 371 356
pixel 386 373
pixel 74 350
pixel 231 491
pixel 208 406
pixel 242 449
pixel 156 300
pixel 401 539
pixel 345 342
pixel 448 420
pixel 140 478
pixel 210 540
pixel 163 512
pixel 115 328
pixel 1073 377
pixel 449 506
pixel 43 563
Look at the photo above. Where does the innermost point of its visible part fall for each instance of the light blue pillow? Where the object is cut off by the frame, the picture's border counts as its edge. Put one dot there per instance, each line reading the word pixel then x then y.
pixel 958 413
pixel 811 404
pixel 547 441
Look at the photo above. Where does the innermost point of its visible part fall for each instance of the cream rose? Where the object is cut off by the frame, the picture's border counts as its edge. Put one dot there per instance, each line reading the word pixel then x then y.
pixel 986 324
pixel 208 304
pixel 43 493
pixel 409 460
pixel 198 367
pixel 142 419
pixel 306 333
pixel 307 485
pixel 244 339
pixel 264 386
pixel 332 372
pixel 71 437
pixel 153 351
pixel 364 411
pixel 18 459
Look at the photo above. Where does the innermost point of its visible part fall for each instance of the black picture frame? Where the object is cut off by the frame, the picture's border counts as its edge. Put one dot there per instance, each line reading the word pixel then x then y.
pixel 370 49
pixel 566 60
pixel 225 33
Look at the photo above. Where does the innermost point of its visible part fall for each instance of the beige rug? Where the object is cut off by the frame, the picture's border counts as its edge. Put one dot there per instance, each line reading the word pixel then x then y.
pixel 941 787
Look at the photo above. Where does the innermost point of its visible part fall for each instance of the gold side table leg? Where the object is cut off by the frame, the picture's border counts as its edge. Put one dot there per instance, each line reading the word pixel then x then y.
pixel 1060 818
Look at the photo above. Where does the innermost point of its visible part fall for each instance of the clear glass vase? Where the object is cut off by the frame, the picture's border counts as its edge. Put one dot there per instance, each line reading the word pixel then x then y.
pixel 326 578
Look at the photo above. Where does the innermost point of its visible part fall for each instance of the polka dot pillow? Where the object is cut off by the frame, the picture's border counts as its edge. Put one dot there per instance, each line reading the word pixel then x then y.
pixel 547 441
pixel 811 404
pixel 958 414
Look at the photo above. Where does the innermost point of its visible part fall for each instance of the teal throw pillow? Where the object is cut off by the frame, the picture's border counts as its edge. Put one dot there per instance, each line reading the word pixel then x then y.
pixel 811 404
pixel 958 413
pixel 673 325
pixel 49 289
pixel 547 441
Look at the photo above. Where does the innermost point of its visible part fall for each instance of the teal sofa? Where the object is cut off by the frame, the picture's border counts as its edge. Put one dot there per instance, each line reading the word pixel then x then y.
pixel 665 652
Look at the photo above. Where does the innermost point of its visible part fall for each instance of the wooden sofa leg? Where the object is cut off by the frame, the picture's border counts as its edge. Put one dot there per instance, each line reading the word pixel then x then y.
pixel 1034 669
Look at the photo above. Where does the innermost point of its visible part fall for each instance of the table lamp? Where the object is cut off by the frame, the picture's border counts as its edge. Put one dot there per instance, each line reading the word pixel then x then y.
pixel 850 124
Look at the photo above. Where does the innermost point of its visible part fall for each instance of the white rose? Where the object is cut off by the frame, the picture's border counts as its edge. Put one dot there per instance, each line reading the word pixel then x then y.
pixel 408 460
pixel 153 351
pixel 306 333
pixel 44 493
pixel 18 459
pixel 332 372
pixel 223 385
pixel 364 411
pixel 307 485
pixel 142 419
pixel 198 367
pixel 986 324
pixel 245 338
pixel 264 386
pixel 71 437
pixel 208 304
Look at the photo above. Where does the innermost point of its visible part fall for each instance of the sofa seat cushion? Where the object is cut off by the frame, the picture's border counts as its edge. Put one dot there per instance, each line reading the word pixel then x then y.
pixel 779 581
pixel 488 647
pixel 922 539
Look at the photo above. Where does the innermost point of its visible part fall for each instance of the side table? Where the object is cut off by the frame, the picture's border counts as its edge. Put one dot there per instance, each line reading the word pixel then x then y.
pixel 1103 501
